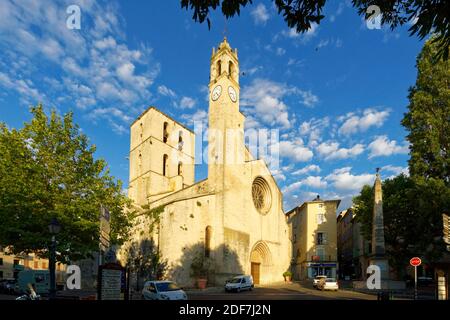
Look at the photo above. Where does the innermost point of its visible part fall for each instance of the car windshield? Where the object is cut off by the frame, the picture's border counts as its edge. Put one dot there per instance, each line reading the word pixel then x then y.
pixel 167 286
pixel 320 277
pixel 330 280
pixel 235 280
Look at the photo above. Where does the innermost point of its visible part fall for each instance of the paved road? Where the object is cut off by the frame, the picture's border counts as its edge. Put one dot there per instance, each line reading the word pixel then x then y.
pixel 292 291
pixel 289 291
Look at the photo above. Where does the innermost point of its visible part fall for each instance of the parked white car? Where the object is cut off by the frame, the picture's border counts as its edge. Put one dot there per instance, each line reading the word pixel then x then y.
pixel 162 290
pixel 239 283
pixel 316 280
pixel 329 284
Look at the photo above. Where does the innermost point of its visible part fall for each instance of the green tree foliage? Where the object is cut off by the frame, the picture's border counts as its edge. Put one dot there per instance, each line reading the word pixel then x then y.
pixel 412 219
pixel 432 16
pixel 428 124
pixel 47 169
pixel 146 262
pixel 428 118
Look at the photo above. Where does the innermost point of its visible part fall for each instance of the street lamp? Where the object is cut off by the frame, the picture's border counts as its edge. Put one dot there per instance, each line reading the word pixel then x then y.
pixel 54 227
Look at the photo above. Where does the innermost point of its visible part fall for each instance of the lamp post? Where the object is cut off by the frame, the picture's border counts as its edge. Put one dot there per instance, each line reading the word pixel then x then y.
pixel 54 227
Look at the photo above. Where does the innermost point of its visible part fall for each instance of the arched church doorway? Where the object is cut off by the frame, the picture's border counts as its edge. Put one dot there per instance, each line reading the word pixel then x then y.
pixel 260 261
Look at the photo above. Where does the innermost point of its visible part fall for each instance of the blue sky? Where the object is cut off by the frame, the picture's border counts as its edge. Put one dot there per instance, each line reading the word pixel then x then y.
pixel 337 93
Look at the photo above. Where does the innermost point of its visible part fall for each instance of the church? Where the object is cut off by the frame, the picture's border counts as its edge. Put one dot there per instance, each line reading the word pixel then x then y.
pixel 234 218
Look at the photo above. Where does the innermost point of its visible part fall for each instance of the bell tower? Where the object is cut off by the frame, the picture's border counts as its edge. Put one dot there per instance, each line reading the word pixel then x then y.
pixel 226 122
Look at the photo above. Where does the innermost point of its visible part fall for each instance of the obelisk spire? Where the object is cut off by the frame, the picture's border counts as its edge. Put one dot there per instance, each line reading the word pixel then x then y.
pixel 378 244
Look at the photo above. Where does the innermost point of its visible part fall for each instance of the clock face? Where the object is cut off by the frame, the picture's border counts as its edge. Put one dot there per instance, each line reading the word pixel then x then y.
pixel 217 91
pixel 232 94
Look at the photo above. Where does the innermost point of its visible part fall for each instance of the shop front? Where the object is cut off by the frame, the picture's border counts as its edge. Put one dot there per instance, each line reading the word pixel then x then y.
pixel 321 268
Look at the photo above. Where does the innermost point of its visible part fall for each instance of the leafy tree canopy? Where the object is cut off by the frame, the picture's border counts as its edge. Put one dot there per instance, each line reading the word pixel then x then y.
pixel 412 218
pixel 429 16
pixel 428 118
pixel 47 169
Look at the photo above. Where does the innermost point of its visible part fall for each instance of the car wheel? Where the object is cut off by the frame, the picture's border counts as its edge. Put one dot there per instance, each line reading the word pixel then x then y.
pixel 238 290
pixel 251 288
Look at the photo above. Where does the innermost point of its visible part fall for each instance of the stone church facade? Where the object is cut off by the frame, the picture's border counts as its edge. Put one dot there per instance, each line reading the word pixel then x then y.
pixel 234 217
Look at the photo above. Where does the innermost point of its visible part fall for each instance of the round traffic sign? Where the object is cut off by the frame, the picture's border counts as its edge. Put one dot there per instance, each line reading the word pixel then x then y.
pixel 415 262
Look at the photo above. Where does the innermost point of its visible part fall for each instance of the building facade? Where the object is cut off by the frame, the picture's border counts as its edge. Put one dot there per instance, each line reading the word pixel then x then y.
pixel 11 265
pixel 345 244
pixel 234 218
pixel 313 233
pixel 362 249
pixel 353 249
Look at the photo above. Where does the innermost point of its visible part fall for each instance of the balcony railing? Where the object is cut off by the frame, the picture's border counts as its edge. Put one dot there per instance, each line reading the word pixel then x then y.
pixel 321 258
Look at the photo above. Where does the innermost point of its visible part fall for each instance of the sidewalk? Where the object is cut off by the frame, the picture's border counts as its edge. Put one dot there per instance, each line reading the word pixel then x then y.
pixel 423 293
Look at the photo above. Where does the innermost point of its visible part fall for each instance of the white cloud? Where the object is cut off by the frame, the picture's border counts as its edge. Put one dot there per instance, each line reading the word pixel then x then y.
pixel 382 146
pixel 251 71
pixel 307 169
pixel 331 150
pixel 323 43
pixel 187 103
pixel 295 150
pixel 105 43
pixel 251 123
pixel 343 180
pixel 302 38
pixel 25 88
pixel 329 42
pixel 165 91
pixel 314 182
pixel 264 99
pixel 309 99
pixel 260 14
pixel 354 123
pixel 278 174
pixel 295 62
pixel 396 170
pixel 199 116
pixel 109 112
pixel 126 71
pixel 103 70
pixel 313 129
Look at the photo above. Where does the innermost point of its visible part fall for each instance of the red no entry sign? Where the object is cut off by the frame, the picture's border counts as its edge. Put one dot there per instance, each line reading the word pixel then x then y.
pixel 415 262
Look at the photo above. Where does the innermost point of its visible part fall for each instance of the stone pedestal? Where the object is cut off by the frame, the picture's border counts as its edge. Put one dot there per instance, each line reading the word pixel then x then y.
pixel 383 264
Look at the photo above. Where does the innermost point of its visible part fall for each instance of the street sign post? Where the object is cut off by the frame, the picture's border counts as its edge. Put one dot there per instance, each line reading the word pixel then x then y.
pixel 112 282
pixel 415 262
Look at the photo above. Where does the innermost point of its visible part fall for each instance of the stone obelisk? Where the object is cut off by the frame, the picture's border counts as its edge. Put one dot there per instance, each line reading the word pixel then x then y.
pixel 378 256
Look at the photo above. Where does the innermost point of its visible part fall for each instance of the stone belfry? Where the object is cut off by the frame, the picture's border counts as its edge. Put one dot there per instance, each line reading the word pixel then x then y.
pixel 378 256
pixel 226 123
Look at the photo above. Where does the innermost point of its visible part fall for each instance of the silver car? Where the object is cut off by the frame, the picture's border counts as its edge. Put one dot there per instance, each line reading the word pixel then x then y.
pixel 329 284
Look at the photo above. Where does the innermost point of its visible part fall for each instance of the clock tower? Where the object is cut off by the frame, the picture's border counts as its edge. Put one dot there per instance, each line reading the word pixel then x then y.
pixel 226 123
